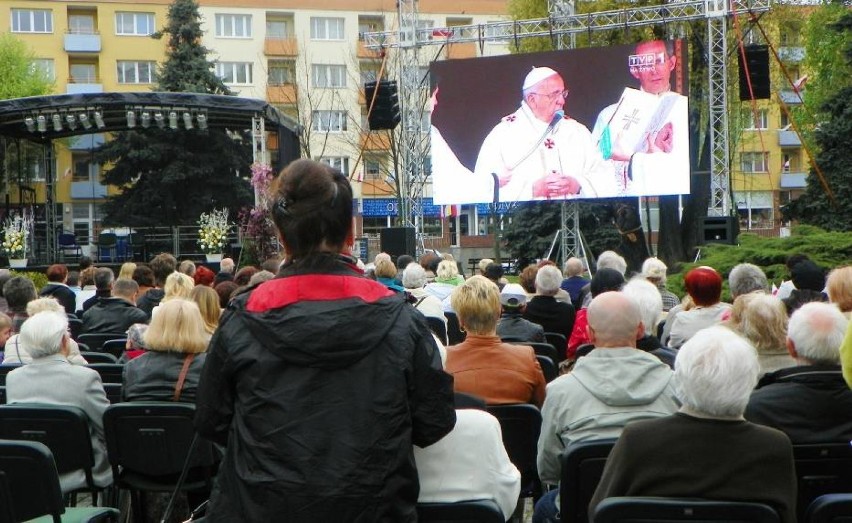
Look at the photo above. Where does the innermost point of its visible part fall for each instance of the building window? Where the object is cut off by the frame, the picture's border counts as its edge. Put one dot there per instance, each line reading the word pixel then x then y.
pixel 369 25
pixel 328 121
pixel 44 66
pixel 32 21
pixel 81 24
pixel 84 73
pixel 323 28
pixel 277 28
pixel 328 75
pixel 373 225
pixel 87 220
pixel 134 24
pixel 130 72
pixel 233 26
pixel 752 121
pixel 341 163
pixel 754 162
pixel 755 209
pixel 372 168
pixel 280 72
pixel 236 73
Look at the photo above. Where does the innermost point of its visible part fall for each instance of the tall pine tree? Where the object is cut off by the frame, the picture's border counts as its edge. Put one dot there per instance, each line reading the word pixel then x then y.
pixel 170 176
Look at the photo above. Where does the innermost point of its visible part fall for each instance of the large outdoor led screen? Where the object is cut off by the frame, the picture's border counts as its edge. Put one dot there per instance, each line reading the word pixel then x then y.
pixel 581 123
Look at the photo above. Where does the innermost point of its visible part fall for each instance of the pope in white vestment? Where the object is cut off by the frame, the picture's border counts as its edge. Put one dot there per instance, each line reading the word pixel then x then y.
pixel 539 153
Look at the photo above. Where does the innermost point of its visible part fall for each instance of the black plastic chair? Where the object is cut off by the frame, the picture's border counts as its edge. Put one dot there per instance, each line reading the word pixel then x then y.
pixel 75 326
pixel 4 370
pixel 115 348
pixel 821 469
pixel 462 400
pixel 108 241
pixel 148 443
pixel 2 395
pixel 521 426
pixel 548 368
pixel 559 342
pixel 113 392
pixel 639 509
pixel 476 511
pixel 110 372
pixel 98 357
pixel 454 332
pixel 95 341
pixel 830 508
pixel 63 428
pixel 33 483
pixel 137 246
pixel 438 328
pixel 582 466
pixel 543 349
pixel 6 515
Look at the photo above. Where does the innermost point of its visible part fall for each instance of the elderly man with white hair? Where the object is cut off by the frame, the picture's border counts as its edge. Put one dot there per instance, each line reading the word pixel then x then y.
pixel 50 379
pixel 810 402
pixel 706 450
pixel 612 386
pixel 414 279
pixel 538 152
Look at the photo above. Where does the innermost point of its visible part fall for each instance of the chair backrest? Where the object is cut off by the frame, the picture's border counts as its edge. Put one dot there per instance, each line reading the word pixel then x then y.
pixel 96 340
pixel 32 478
pixel 2 395
pixel 521 426
pixel 582 466
pixel 152 438
pixel 830 508
pixel 463 400
pixel 75 326
pixel 107 239
pixel 821 469
pixel 638 509
pixel 115 347
pixel 454 332
pixel 113 392
pixel 98 357
pixel 62 428
pixel 67 239
pixel 110 372
pixel 4 370
pixel 6 515
pixel 559 342
pixel 476 511
pixel 548 367
pixel 438 327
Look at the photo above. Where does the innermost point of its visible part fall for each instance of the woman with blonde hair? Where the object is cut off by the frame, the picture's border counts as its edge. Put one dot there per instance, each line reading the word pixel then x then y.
pixel 126 270
pixel 447 278
pixel 839 286
pixel 176 342
pixel 178 285
pixel 762 320
pixel 208 303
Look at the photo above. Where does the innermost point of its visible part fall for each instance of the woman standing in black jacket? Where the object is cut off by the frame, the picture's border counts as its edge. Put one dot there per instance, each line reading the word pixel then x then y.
pixel 320 380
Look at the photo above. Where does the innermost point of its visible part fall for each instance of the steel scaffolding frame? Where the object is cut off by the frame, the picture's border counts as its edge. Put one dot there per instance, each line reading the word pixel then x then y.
pixel 563 22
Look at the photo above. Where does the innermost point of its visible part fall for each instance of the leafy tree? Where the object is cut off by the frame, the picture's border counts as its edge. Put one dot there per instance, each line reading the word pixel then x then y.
pixel 833 139
pixel 16 69
pixel 167 176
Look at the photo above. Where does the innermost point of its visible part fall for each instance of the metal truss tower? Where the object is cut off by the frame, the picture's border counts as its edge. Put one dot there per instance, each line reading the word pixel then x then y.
pixel 563 23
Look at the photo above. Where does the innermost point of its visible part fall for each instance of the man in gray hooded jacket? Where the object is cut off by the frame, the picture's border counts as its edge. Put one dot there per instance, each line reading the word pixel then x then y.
pixel 614 384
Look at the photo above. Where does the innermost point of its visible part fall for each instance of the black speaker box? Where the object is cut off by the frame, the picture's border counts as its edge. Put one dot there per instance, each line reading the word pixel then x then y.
pixel 720 229
pixel 397 241
pixel 757 59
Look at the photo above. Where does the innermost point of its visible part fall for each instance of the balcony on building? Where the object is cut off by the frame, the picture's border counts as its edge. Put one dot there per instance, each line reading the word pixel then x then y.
pixel 88 190
pixel 281 94
pixel 794 180
pixel 458 49
pixel 280 46
pixel 368 24
pixel 375 141
pixel 82 43
pixel 92 85
pixel 791 53
pixel 85 142
pixel 790 97
pixel 789 139
pixel 279 39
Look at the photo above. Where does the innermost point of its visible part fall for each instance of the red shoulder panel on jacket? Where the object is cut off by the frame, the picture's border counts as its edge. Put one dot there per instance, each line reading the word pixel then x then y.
pixel 281 292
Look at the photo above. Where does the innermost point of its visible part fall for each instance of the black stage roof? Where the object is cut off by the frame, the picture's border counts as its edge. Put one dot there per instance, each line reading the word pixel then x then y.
pixel 108 112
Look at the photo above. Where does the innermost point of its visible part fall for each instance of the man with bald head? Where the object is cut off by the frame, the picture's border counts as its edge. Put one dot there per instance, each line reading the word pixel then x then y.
pixel 538 152
pixel 660 163
pixel 614 384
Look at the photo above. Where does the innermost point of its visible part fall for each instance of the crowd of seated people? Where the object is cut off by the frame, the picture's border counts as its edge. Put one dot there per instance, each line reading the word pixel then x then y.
pixel 331 399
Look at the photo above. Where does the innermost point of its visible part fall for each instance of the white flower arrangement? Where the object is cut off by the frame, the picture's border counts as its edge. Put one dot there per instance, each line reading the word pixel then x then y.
pixel 16 232
pixel 213 231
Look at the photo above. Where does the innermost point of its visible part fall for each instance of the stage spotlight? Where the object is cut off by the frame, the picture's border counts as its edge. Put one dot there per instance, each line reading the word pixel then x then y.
pixel 72 122
pixel 187 120
pixel 161 121
pixel 131 119
pixel 146 119
pixel 30 123
pixel 202 121
pixel 57 122
pixel 84 119
pixel 173 120
pixel 41 121
pixel 99 120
